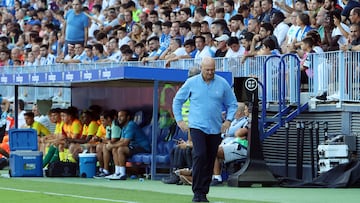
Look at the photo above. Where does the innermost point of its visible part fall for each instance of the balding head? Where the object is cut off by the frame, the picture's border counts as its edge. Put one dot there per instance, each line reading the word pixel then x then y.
pixel 208 68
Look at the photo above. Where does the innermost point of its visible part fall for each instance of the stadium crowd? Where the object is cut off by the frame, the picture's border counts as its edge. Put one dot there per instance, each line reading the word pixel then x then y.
pixel 62 31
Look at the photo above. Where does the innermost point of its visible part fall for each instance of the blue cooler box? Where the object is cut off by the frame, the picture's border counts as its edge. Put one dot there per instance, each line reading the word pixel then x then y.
pixel 25 160
pixel 26 163
pixel 87 165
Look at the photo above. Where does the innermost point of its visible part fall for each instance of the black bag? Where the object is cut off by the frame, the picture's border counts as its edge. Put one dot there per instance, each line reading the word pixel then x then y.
pixel 62 169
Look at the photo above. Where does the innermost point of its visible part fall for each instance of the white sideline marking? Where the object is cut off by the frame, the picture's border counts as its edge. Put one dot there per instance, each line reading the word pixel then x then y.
pixel 66 195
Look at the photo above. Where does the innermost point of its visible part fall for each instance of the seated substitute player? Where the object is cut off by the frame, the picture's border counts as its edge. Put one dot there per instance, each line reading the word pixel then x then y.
pixel 132 141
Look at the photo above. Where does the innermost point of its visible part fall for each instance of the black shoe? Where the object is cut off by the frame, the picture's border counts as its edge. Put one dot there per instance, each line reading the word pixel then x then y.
pixel 200 198
pixel 173 179
pixel 215 182
pixel 3 163
pixel 323 96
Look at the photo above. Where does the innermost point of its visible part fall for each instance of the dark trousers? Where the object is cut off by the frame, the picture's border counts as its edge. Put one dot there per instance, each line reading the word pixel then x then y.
pixel 205 147
pixel 181 158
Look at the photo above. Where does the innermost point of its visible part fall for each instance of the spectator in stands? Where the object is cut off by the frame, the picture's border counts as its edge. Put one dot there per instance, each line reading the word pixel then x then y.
pixel 307 45
pixel 153 16
pixel 221 45
pixel 268 47
pixel 235 50
pixel 354 39
pixel 237 26
pixel 5 57
pixel 143 16
pixel 290 35
pixel 244 11
pixel 209 41
pixel 196 28
pixel 349 5
pixel 164 14
pixel 111 21
pixel 114 54
pixel 218 28
pixel 210 10
pixel 122 36
pixel 140 51
pixel 16 55
pixel 317 41
pixel 336 32
pixel 254 26
pixel 257 10
pixel 35 49
pixel 220 13
pixel 332 5
pixel 75 28
pixel 229 9
pixel 320 18
pixel 132 141
pixel 185 32
pixel 303 21
pixel 54 45
pixel 45 58
pixel 154 51
pixel 205 136
pixel 300 5
pixel 30 60
pixel 175 29
pixel 202 49
pixel 190 51
pixel 89 57
pixel 200 15
pixel 130 6
pixel 128 55
pixel 157 29
pixel 79 55
pixel 113 135
pixel 169 52
pixel 268 10
pixel 185 15
pixel 129 22
pixel 280 27
pixel 245 41
pixel 136 32
pixel 355 15
pixel 315 5
pixel 3 42
pixel 70 55
pixel 234 143
pixel 98 52
pixel 266 30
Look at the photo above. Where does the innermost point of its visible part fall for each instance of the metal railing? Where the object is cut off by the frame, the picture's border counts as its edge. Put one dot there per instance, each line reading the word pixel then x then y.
pixel 338 73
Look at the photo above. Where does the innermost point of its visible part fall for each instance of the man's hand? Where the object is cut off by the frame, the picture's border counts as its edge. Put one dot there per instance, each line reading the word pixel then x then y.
pixel 225 126
pixel 183 126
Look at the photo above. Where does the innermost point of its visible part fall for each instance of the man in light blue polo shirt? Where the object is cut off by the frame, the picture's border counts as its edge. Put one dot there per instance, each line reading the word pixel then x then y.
pixel 208 94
